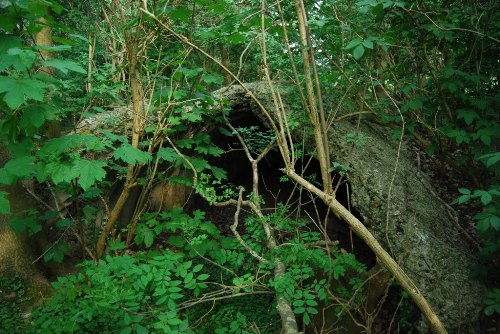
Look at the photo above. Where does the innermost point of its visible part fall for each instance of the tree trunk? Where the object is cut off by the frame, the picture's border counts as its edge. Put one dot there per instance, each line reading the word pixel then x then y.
pixel 16 254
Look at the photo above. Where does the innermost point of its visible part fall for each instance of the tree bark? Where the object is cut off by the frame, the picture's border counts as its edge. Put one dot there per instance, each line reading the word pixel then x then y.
pixel 16 254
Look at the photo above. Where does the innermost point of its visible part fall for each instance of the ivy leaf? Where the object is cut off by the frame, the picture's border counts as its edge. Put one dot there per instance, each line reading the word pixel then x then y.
pixel 17 89
pixel 65 65
pixel 131 155
pixel 358 52
pixel 89 172
pixel 4 203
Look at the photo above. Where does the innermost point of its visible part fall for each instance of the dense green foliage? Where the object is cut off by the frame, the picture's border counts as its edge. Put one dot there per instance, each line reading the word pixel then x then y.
pixel 427 69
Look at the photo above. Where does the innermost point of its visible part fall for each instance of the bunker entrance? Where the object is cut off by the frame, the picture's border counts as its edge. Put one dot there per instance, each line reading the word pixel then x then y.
pixel 277 191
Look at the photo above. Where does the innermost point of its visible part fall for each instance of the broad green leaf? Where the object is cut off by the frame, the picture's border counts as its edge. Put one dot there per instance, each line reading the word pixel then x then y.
pixel 299 310
pixel 167 154
pixel 355 42
pixel 179 94
pixel 25 221
pixel 60 172
pixel 20 59
pixel 203 277
pixel 197 268
pixel 491 158
pixel 17 89
pixel 89 172
pixel 486 198
pixel 358 52
pixel 190 73
pixel 131 155
pixel 34 117
pixel 67 143
pixel 65 65
pixel 312 310
pixel 20 167
pixel 8 41
pixel 148 238
pixel 298 302
pixel 141 329
pixel 367 44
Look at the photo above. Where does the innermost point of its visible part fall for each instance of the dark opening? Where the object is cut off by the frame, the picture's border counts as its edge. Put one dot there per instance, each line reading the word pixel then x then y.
pixel 275 189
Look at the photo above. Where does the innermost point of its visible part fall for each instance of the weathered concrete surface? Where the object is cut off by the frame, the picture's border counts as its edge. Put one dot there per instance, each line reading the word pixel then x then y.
pixel 414 226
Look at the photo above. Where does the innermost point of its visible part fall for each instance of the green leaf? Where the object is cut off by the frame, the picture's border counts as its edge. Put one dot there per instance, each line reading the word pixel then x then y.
pixel 486 198
pixel 467 115
pixel 213 79
pixel 8 41
pixel 4 203
pixel 491 158
pixel 17 89
pixel 180 13
pixel 60 172
pixel 312 310
pixel 203 277
pixel 358 52
pixel 299 310
pixel 25 220
pixel 89 172
pixel 167 154
pixel 197 268
pixel 355 42
pixel 174 321
pixel 306 319
pixel 65 65
pixel 131 155
pixel 148 238
pixel 367 44
pixel 464 191
pixel 236 38
pixel 67 143
pixel 20 167
pixel 298 302
pixel 20 59
pixel 126 330
pixel 141 329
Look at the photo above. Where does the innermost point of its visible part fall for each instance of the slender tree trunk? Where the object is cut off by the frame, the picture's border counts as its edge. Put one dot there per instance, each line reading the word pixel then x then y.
pixel 135 84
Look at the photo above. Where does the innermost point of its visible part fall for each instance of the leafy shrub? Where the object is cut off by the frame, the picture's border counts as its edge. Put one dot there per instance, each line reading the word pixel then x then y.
pixel 122 294
pixel 12 294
